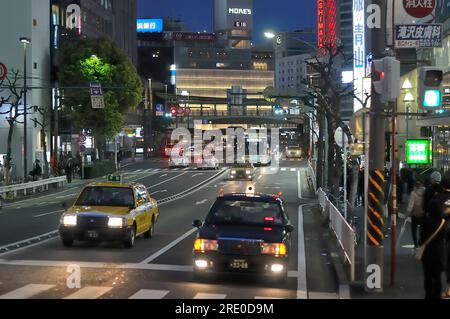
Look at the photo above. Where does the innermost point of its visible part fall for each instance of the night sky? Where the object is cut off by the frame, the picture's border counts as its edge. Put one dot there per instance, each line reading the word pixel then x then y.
pixel 277 15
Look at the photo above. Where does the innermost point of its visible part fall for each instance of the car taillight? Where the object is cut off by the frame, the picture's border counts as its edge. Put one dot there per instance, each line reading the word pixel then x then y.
pixel 274 249
pixel 269 219
pixel 202 245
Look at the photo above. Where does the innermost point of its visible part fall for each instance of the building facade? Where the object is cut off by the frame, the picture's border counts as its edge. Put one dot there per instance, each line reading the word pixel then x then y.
pixel 34 23
pixel 290 72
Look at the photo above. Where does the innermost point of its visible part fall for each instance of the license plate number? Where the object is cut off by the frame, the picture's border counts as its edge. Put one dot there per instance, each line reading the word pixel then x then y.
pixel 92 234
pixel 239 264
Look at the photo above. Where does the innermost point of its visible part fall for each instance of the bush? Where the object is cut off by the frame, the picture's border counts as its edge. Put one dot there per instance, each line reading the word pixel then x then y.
pixel 99 169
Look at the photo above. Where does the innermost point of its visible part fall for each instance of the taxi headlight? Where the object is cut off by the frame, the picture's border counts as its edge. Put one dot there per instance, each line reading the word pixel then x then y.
pixel 273 249
pixel 116 222
pixel 69 220
pixel 202 245
pixel 233 172
pixel 248 172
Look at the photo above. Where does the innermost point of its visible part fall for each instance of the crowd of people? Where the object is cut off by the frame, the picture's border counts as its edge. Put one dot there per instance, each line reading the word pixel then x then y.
pixel 429 210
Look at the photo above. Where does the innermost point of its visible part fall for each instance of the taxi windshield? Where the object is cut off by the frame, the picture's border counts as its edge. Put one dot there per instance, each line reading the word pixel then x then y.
pixel 245 212
pixel 294 148
pixel 243 165
pixel 106 196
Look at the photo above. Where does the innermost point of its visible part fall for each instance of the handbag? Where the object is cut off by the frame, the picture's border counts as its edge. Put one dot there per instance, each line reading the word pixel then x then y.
pixel 421 250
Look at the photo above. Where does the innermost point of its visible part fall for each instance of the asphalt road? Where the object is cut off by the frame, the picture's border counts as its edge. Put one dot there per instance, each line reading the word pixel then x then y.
pixel 160 267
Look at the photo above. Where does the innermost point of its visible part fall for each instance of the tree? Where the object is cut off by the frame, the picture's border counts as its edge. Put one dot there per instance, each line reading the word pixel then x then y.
pixel 326 99
pixel 98 61
pixel 43 123
pixel 10 99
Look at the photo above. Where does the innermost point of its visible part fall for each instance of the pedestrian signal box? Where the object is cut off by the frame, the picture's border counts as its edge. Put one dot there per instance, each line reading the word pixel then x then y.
pixel 419 152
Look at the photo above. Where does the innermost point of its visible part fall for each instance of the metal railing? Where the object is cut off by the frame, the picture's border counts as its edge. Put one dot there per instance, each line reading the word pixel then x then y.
pixel 24 187
pixel 344 232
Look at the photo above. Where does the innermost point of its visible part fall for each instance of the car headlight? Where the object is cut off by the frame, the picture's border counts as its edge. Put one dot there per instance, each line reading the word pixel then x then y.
pixel 116 222
pixel 69 220
pixel 233 172
pixel 274 249
pixel 248 172
pixel 202 245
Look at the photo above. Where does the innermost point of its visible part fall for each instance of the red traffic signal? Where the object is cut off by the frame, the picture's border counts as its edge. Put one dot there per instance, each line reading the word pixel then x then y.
pixel 174 111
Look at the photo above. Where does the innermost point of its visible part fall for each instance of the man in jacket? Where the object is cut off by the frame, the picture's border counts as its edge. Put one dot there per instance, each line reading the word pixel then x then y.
pixel 415 209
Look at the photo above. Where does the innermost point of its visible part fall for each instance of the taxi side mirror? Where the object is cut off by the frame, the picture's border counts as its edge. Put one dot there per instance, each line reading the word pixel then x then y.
pixel 197 223
pixel 289 228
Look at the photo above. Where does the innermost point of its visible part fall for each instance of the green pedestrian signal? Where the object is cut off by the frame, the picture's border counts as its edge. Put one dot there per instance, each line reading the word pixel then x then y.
pixel 419 152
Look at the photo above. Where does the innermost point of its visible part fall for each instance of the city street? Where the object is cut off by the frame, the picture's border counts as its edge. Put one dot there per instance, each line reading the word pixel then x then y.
pixel 160 267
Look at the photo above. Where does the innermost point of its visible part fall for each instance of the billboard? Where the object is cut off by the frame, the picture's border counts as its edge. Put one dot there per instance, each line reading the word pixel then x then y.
pixel 149 25
pixel 418 36
pixel 359 52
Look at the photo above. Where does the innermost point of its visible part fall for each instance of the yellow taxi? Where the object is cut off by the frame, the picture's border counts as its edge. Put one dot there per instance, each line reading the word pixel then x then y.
pixel 243 171
pixel 110 211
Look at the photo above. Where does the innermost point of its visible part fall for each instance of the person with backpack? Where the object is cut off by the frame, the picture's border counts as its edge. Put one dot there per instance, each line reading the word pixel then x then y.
pixel 37 170
pixel 415 209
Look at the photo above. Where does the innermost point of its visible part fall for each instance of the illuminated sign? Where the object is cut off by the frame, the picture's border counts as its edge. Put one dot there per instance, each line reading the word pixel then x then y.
pixel 173 74
pixel 192 36
pixel 359 52
pixel 419 152
pixel 149 25
pixel 240 11
pixel 320 22
pixel 418 36
pixel 326 23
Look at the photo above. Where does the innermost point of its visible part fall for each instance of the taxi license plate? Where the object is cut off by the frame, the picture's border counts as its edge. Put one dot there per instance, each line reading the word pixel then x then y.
pixel 92 234
pixel 239 264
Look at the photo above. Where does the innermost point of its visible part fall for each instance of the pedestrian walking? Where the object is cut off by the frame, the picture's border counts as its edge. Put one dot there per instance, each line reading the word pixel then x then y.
pixel 36 172
pixel 69 166
pixel 434 187
pixel 433 244
pixel 415 209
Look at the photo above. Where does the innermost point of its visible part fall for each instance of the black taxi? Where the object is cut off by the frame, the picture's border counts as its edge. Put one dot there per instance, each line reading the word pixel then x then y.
pixel 244 232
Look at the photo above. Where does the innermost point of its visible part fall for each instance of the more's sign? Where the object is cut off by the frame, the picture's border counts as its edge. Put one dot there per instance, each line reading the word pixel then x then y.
pixel 418 36
pixel 419 152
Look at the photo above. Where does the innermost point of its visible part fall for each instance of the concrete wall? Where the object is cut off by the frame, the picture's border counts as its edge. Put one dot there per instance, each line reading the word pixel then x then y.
pixel 25 18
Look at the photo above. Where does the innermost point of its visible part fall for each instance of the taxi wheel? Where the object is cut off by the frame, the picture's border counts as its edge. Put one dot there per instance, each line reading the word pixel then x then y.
pixel 149 233
pixel 67 242
pixel 131 237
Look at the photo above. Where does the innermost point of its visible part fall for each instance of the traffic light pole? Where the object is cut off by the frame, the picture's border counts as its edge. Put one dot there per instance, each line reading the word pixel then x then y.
pixel 374 264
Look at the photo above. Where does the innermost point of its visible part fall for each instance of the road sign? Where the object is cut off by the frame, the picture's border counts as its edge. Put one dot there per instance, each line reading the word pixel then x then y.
pixel 415 36
pixel 159 110
pixel 97 100
pixel 82 138
pixel 82 148
pixel 419 8
pixel 3 71
pixel 340 137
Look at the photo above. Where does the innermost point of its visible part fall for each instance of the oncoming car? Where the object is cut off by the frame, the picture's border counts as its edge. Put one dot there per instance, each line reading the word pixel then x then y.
pixel 248 233
pixel 293 152
pixel 110 211
pixel 244 171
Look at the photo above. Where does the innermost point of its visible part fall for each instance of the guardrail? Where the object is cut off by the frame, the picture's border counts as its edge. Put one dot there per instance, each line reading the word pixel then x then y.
pixel 24 187
pixel 341 228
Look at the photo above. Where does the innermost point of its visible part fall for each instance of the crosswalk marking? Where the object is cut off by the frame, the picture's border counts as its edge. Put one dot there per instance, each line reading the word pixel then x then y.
pixel 283 169
pixel 201 295
pixel 293 169
pixel 26 292
pixel 149 294
pixel 89 293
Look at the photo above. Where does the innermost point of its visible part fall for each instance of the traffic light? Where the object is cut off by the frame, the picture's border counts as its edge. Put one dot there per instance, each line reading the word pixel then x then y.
pixel 430 87
pixel 174 111
pixel 386 78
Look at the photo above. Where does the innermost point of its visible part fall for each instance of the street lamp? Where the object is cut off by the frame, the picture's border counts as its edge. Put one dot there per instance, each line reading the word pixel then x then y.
pixel 271 35
pixel 25 41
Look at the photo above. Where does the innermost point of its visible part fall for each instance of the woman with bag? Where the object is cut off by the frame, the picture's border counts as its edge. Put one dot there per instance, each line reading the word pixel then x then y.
pixel 432 251
pixel 415 209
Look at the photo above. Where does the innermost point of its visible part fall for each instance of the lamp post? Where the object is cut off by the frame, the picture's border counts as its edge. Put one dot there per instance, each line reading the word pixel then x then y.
pixel 272 35
pixel 25 41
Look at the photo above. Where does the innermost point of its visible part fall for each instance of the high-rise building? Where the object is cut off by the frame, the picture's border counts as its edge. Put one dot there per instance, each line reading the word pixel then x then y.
pixel 233 22
pixel 290 72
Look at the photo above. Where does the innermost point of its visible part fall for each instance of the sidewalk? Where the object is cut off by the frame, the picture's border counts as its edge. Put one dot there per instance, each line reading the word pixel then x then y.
pixel 409 274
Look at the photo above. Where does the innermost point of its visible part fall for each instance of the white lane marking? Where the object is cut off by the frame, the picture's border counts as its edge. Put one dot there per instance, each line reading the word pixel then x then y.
pixel 51 213
pixel 26 292
pixel 300 195
pixel 260 176
pixel 68 195
pixel 260 297
pixel 201 202
pixel 302 289
pixel 159 192
pixel 201 295
pixel 283 169
pixel 89 293
pixel 18 243
pixel 149 294
pixel 293 169
pixel 198 174
pixel 167 180
pixel 163 175
pixel 42 204
pixel 168 247
pixel 131 177
pixel 138 170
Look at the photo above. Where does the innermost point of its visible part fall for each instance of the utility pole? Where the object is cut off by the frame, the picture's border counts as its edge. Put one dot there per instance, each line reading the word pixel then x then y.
pixel 374 266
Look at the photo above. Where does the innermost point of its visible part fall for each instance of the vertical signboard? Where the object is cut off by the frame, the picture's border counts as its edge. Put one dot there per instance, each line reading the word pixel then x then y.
pixel 320 23
pixel 359 52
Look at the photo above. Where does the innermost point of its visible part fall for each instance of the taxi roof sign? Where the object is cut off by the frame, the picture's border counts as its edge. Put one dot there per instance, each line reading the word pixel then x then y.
pixel 115 178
